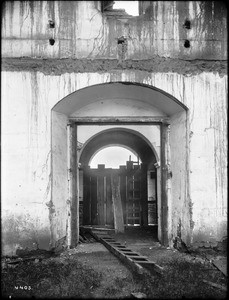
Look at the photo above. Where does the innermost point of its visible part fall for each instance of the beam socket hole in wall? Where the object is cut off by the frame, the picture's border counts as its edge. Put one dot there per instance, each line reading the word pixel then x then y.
pixel 121 40
pixel 51 24
pixel 187 24
pixel 186 44
pixel 51 42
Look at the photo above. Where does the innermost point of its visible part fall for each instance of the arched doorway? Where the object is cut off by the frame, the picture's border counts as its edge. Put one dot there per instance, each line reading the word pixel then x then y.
pixel 122 108
pixel 99 199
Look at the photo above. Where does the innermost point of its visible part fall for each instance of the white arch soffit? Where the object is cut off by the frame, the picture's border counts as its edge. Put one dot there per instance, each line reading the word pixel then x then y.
pixel 113 145
pixel 120 90
pixel 120 129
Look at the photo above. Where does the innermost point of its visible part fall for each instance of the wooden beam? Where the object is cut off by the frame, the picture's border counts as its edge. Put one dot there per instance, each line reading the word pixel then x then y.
pixel 117 204
pixel 119 120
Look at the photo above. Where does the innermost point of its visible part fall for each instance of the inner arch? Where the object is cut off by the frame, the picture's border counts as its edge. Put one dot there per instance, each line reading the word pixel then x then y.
pixel 122 137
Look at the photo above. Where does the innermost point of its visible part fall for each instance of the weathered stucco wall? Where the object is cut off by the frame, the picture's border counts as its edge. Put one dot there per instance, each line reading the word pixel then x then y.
pixel 26 139
pixel 25 163
pixel 59 162
pixel 87 51
pixel 179 217
pixel 208 156
pixel 82 31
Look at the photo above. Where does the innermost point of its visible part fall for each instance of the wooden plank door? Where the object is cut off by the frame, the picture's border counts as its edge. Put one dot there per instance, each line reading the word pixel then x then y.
pixel 133 201
pixel 97 202
pixel 108 200
pixel 98 208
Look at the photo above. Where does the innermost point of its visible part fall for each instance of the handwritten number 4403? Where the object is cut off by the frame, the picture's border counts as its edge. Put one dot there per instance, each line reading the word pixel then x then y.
pixel 20 287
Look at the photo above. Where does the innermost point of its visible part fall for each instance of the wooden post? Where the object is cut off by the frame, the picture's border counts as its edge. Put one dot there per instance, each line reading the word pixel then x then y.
pixel 117 204
pixel 122 173
pixel 164 195
pixel 73 211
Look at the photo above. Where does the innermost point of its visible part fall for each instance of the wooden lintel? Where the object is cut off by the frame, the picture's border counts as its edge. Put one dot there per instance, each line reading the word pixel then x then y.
pixel 120 120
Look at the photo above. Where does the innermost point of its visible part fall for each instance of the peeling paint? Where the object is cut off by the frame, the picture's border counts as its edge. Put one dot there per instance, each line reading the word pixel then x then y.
pixel 23 230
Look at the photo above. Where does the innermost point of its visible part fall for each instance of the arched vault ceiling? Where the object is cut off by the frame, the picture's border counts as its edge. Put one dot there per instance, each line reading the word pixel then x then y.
pixel 145 94
pixel 120 137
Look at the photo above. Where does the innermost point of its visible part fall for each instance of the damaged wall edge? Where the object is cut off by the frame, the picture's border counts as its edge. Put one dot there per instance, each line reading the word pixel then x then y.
pixel 156 64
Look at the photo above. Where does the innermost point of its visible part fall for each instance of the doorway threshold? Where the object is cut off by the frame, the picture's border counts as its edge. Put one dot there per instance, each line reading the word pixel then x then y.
pixel 98 227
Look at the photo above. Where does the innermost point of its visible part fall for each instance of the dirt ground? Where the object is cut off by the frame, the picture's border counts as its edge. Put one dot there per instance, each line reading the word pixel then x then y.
pixel 91 271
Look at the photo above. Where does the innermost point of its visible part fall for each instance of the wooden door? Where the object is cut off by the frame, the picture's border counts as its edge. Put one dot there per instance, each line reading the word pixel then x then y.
pixel 136 195
pixel 97 202
pixel 98 208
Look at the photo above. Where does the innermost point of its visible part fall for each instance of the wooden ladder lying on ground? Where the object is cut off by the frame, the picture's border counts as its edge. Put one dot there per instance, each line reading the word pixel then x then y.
pixel 134 260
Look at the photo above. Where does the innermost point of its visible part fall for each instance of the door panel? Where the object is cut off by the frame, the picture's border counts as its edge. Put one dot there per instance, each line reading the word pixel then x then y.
pixel 100 200
pixel 94 208
pixel 109 206
pixel 97 204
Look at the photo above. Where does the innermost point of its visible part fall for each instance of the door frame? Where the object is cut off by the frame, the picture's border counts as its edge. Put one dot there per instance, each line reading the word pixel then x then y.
pixel 73 170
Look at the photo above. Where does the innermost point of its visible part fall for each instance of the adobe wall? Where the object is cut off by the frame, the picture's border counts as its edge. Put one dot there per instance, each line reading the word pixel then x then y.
pixel 36 75
pixel 81 30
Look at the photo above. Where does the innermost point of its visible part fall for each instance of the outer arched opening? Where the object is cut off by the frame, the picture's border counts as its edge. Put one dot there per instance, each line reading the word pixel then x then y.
pixel 141 117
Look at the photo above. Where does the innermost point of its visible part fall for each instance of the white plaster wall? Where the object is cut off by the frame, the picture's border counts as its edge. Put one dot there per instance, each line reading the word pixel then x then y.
pixel 208 154
pixel 179 208
pixel 59 174
pixel 25 164
pixel 27 99
pixel 117 107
